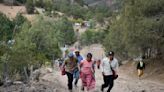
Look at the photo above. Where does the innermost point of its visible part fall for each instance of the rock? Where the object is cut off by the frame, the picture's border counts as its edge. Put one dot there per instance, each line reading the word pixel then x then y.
pixel 8 83
pixel 49 70
pixel 54 90
pixel 35 75
pixel 32 89
pixel 17 82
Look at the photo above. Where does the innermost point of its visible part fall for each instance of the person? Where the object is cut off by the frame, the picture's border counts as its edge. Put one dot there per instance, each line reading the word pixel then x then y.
pixel 60 62
pixel 76 72
pixel 87 75
pixel 98 63
pixel 70 65
pixel 78 56
pixel 108 65
pixel 140 67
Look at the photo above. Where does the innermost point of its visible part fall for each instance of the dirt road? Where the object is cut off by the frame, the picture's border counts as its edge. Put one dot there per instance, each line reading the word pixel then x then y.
pixel 123 84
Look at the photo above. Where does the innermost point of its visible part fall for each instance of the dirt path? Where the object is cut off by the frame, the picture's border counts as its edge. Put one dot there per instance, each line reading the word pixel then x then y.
pixel 125 82
pixel 55 82
pixel 122 84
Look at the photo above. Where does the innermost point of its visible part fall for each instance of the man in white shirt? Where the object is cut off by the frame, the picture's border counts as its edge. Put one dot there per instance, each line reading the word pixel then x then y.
pixel 109 67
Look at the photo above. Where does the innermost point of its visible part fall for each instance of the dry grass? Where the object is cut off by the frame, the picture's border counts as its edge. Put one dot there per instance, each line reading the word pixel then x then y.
pixel 11 11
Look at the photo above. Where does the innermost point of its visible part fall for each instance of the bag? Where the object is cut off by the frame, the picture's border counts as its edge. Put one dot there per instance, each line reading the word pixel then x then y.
pixel 115 76
pixel 63 72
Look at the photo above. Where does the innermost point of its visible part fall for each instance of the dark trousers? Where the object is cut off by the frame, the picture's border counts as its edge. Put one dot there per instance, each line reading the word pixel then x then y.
pixel 70 80
pixel 108 82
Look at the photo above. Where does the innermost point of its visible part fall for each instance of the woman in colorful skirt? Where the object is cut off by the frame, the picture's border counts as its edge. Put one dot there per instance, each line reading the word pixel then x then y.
pixel 87 73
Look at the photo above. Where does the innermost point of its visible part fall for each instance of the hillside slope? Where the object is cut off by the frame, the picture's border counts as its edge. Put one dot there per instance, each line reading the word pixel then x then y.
pixel 11 11
pixel 153 72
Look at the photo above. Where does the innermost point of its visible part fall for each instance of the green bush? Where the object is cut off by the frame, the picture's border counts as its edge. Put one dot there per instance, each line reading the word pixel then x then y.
pixel 6 28
pixel 34 45
pixel 92 37
pixel 30 6
pixel 138 29
pixel 65 30
pixel 21 1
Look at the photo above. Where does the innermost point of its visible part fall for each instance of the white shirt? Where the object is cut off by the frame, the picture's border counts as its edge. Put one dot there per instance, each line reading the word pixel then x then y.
pixel 106 66
pixel 141 64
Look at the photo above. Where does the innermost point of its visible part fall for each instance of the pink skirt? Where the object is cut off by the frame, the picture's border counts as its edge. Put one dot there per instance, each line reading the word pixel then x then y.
pixel 88 81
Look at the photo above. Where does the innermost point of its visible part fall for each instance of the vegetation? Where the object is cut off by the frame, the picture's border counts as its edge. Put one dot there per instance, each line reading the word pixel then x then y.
pixel 30 6
pixel 21 1
pixel 34 45
pixel 91 37
pixel 8 28
pixel 65 31
pixel 30 44
pixel 66 7
pixel 76 9
pixel 101 12
pixel 138 30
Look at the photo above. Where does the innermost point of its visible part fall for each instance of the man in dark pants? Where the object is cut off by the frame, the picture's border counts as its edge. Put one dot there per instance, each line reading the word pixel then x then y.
pixel 70 80
pixel 107 65
pixel 108 81
pixel 70 65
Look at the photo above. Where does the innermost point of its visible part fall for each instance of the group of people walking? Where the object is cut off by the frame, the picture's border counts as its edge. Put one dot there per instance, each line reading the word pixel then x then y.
pixel 76 67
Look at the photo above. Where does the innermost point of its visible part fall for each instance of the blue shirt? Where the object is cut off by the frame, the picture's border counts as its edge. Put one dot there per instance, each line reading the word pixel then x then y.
pixel 79 58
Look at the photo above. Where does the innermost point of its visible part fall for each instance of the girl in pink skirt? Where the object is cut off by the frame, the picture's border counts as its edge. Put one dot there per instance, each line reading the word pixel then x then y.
pixel 87 73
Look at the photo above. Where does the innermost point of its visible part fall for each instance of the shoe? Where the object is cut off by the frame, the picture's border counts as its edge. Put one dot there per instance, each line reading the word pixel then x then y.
pixel 102 89
pixel 82 89
pixel 70 91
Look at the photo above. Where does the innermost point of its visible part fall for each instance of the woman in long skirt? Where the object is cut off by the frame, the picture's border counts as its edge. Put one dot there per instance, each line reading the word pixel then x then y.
pixel 87 73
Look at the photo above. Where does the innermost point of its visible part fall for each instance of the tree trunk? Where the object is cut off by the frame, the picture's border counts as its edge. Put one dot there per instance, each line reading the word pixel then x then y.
pixel 31 73
pixel 26 74
pixel 5 73
pixel 5 76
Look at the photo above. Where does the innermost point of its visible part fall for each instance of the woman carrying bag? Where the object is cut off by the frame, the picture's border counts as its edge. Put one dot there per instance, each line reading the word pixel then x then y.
pixel 69 67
